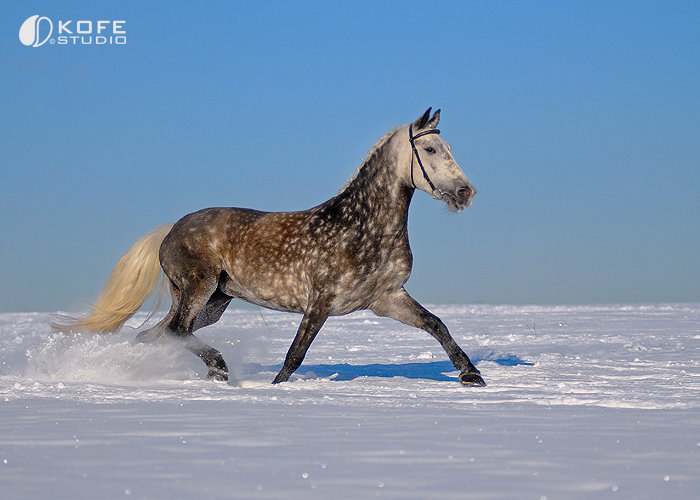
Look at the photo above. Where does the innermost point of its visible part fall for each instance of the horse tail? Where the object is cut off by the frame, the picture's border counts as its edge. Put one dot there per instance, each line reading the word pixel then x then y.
pixel 133 279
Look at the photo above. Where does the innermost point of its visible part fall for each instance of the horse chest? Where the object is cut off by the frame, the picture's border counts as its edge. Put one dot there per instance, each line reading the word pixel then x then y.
pixel 369 274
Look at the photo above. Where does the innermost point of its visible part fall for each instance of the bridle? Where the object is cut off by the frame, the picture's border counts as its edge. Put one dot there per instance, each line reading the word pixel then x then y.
pixel 412 139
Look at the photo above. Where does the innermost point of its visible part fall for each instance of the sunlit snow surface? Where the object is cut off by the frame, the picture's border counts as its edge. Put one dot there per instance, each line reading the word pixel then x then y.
pixel 581 402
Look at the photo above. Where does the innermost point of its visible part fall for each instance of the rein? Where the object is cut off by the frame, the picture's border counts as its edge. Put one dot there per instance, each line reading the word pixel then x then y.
pixel 412 139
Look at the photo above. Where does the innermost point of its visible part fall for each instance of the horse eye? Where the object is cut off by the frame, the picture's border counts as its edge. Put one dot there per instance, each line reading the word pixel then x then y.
pixel 430 149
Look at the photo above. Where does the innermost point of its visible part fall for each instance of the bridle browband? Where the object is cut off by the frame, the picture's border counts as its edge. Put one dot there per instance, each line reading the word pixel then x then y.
pixel 412 139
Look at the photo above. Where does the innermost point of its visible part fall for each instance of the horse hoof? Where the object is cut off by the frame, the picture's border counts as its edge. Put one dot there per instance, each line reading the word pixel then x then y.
pixel 472 379
pixel 217 375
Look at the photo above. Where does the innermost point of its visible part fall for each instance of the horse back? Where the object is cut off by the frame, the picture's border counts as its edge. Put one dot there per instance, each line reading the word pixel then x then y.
pixel 287 260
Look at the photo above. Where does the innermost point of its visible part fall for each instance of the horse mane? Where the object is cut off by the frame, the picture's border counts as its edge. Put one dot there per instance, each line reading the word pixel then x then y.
pixel 370 156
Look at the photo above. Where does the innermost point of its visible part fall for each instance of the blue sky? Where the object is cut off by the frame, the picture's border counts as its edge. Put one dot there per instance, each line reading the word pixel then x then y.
pixel 578 122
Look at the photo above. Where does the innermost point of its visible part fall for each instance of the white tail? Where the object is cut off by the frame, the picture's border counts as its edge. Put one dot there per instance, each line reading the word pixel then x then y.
pixel 133 279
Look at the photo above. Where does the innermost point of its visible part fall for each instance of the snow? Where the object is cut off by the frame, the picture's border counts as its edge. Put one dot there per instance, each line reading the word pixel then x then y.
pixel 581 402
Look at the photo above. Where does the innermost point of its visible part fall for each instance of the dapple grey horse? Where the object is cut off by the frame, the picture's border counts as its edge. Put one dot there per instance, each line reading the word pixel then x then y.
pixel 347 254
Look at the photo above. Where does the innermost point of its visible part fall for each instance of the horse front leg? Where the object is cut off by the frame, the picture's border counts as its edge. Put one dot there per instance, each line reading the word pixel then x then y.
pixel 309 327
pixel 402 307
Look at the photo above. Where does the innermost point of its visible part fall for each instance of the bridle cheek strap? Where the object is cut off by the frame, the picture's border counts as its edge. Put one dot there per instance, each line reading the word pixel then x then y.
pixel 412 139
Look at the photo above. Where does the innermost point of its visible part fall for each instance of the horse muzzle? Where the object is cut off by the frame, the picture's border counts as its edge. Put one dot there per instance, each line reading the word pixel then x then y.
pixel 465 196
pixel 460 198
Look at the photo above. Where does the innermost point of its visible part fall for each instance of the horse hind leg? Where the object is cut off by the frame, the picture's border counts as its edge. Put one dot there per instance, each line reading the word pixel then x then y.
pixel 199 306
pixel 193 308
pixel 217 367
pixel 158 331
pixel 213 310
pixel 210 314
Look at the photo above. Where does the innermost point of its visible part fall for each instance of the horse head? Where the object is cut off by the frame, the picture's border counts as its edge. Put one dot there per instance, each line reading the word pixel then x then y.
pixel 433 169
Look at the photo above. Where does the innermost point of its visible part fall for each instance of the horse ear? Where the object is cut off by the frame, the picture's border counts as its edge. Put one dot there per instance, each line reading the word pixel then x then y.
pixel 434 120
pixel 423 120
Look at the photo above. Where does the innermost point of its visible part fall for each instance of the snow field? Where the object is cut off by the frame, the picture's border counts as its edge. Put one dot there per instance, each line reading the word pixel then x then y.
pixel 581 402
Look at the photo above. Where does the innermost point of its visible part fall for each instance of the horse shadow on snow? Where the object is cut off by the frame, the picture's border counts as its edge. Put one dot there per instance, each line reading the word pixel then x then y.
pixel 433 370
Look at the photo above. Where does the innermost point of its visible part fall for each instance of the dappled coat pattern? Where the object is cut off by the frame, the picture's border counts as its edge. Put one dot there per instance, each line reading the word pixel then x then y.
pixel 349 253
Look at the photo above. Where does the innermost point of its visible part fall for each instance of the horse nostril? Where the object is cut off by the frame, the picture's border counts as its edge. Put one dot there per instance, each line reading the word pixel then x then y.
pixel 464 192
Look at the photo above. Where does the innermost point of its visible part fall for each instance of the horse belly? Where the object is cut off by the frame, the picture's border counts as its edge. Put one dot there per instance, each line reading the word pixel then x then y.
pixel 268 284
pixel 264 263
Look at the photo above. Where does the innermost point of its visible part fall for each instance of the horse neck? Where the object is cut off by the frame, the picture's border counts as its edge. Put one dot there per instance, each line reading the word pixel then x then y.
pixel 378 194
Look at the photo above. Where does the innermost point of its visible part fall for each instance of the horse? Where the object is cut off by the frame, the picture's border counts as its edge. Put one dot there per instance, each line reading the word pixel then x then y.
pixel 350 253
